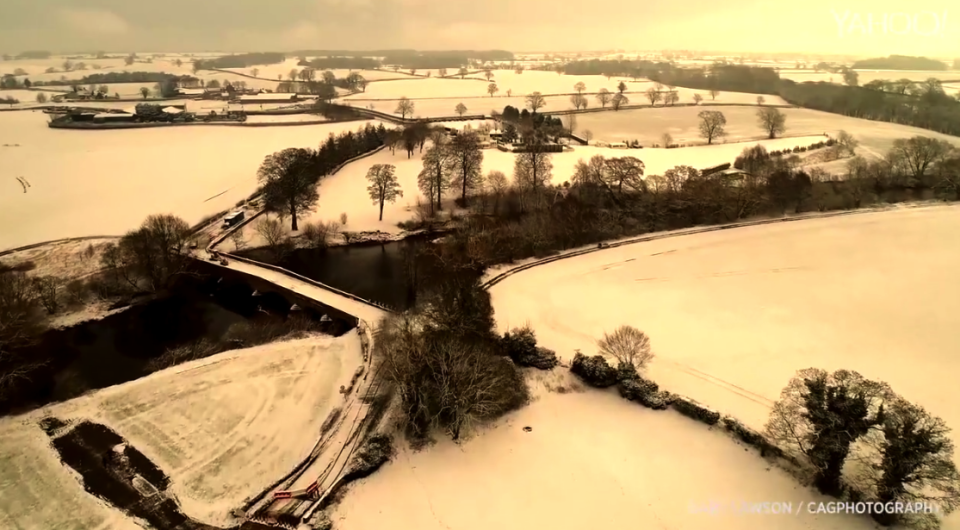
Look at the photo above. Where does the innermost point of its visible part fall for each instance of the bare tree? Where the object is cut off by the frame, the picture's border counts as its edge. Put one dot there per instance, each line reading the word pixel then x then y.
pixel 144 91
pixel 532 170
pixel 488 74
pixel 255 72
pixel 712 123
pixel 580 87
pixel 443 72
pixel 653 95
pixel 697 98
pixel 603 96
pixel 578 101
pixel 47 291
pixel 492 89
pixel 384 186
pixel 621 87
pixel 151 256
pixel 404 107
pixel 497 184
pixel 343 218
pixel 462 72
pixel 619 100
pixel 239 241
pixel 714 93
pixel 772 120
pixel 434 178
pixel 671 98
pixel 628 345
pixel 19 323
pixel 289 182
pixel 760 100
pixel 461 109
pixel 535 101
pixel 622 171
pixel 41 97
pixel 444 381
pixel 846 144
pixel 914 156
pixel 273 234
pixel 588 135
pixel 666 139
pixel 466 163
pixel 571 125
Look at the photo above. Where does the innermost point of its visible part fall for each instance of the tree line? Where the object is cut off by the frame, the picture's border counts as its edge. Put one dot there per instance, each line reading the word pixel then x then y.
pixel 900 62
pixel 344 62
pixel 241 60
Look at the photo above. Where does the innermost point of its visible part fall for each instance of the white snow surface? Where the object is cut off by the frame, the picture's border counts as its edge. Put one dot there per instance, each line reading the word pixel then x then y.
pixel 223 428
pixel 648 125
pixel 733 314
pixel 592 460
pixel 37 492
pixel 107 182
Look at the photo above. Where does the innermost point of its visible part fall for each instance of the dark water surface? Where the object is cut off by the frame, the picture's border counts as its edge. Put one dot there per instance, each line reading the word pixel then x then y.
pixel 389 273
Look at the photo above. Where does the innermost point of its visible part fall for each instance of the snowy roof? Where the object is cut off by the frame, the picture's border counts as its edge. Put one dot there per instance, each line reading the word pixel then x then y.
pixel 192 91
pixel 114 115
pixel 172 110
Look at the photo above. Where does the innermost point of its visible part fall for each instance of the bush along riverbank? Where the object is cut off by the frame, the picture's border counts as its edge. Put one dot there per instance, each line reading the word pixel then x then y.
pixel 813 431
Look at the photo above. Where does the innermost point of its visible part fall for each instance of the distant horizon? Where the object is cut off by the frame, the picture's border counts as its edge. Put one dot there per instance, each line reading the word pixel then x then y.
pixel 627 53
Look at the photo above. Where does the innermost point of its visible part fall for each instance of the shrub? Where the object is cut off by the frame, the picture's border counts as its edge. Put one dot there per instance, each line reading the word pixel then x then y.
pixel 443 378
pixel 520 344
pixel 375 452
pixel 751 438
pixel 692 409
pixel 594 370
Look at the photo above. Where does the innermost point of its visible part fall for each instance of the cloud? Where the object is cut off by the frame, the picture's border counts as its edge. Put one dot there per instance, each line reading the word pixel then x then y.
pixel 93 21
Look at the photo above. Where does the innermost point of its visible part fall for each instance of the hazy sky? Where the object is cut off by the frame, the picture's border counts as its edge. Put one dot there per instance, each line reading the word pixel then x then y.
pixel 815 26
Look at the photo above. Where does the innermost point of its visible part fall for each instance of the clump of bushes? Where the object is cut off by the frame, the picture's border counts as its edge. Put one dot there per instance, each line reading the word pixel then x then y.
pixel 445 362
pixel 594 370
pixel 692 409
pixel 375 452
pixel 520 344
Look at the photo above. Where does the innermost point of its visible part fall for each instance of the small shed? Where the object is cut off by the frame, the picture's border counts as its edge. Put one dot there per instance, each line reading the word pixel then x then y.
pixel 618 145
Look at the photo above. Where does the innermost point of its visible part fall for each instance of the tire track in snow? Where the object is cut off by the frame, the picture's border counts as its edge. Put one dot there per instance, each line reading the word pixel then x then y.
pixel 716 381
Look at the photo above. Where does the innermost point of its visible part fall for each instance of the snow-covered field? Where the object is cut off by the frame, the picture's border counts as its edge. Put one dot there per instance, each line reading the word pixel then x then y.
pixel 733 314
pixel 37 492
pixel 223 428
pixel 285 118
pixel 592 460
pixel 648 125
pixel 107 182
pixel 526 83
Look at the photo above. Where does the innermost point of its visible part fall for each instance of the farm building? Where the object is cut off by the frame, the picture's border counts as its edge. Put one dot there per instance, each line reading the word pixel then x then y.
pixel 269 98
